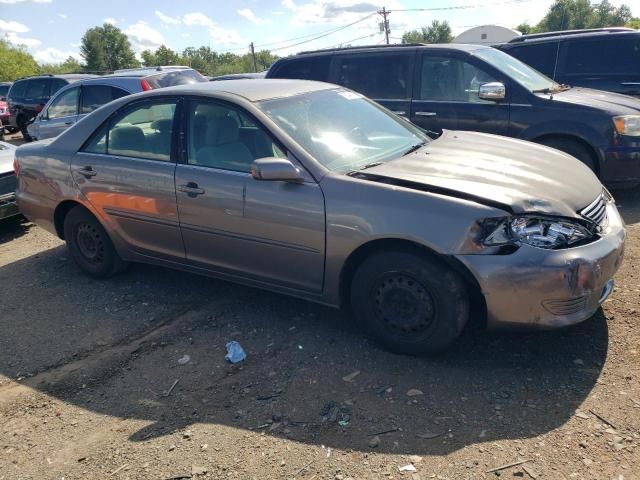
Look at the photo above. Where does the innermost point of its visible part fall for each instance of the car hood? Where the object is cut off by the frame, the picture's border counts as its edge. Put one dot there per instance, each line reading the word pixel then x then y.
pixel 613 103
pixel 7 153
pixel 514 175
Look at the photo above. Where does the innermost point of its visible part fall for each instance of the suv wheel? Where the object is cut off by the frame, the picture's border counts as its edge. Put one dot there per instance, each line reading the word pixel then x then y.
pixel 409 303
pixel 22 126
pixel 89 244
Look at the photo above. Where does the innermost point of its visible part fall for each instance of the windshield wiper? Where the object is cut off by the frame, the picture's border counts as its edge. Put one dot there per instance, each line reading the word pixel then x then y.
pixel 370 165
pixel 547 90
pixel 414 148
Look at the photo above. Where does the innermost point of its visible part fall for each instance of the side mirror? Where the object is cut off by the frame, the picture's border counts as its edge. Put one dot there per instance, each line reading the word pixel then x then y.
pixel 492 91
pixel 276 169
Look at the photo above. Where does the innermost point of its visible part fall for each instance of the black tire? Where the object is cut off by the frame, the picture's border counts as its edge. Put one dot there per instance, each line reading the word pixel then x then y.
pixel 12 130
pixel 22 126
pixel 409 303
pixel 573 148
pixel 89 244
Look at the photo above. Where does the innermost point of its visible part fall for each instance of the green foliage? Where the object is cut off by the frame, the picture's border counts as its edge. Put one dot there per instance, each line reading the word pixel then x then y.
pixel 106 49
pixel 578 14
pixel 633 23
pixel 524 28
pixel 437 32
pixel 208 62
pixel 70 65
pixel 16 62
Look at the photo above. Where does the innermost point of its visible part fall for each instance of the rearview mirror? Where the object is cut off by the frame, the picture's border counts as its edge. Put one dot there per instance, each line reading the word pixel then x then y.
pixel 492 91
pixel 274 169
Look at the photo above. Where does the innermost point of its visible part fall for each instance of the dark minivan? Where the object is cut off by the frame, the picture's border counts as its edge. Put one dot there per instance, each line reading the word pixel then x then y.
pixel 28 95
pixel 471 87
pixel 605 59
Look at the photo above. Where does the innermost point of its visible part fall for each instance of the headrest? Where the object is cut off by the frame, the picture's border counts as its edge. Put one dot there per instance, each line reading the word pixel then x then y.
pixel 163 125
pixel 126 138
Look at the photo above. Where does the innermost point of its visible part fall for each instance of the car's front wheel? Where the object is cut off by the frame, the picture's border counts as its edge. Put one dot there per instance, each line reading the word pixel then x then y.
pixel 89 244
pixel 408 302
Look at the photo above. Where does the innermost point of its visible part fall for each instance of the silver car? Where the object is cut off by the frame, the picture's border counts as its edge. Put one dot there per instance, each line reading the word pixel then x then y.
pixel 73 102
pixel 8 206
pixel 312 190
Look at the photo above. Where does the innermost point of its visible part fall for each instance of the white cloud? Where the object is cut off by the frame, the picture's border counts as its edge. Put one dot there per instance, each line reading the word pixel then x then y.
pixel 249 15
pixel 12 27
pixel 13 2
pixel 53 55
pixel 11 30
pixel 198 18
pixel 167 19
pixel 142 36
pixel 63 16
pixel 289 4
pixel 110 20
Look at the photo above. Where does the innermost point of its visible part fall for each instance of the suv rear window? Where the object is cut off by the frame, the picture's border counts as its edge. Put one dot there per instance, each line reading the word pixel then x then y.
pixel 310 68
pixel 171 78
pixel 37 88
pixel 603 55
pixel 17 89
pixel 541 56
pixel 376 76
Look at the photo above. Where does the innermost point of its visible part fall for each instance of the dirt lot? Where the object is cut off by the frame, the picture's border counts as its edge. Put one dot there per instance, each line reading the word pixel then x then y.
pixel 87 369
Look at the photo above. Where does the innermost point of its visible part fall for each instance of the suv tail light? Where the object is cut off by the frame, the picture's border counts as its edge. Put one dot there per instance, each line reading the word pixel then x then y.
pixel 16 166
pixel 145 85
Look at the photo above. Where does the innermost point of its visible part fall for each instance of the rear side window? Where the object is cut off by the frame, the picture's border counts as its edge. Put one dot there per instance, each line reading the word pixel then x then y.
pixel 37 88
pixel 177 77
pixel 376 76
pixel 309 68
pixel 94 96
pixel 142 131
pixel 18 90
pixel 611 55
pixel 4 89
pixel 542 56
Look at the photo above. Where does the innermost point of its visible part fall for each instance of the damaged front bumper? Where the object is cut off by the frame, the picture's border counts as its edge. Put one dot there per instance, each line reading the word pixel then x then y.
pixel 535 287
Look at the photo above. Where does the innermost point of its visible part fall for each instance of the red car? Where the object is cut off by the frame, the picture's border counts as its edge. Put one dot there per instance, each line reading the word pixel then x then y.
pixel 4 107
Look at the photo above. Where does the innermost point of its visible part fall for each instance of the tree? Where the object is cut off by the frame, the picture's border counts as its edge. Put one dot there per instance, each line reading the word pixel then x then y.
pixel 437 32
pixel 525 28
pixel 70 65
pixel 578 14
pixel 16 62
pixel 633 23
pixel 106 49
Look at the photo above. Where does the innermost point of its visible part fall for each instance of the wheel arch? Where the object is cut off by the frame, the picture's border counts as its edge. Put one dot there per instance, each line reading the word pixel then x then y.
pixel 60 214
pixel 570 137
pixel 372 247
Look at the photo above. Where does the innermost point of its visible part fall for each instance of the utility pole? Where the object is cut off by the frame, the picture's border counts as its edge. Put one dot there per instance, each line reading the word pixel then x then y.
pixel 253 54
pixel 385 23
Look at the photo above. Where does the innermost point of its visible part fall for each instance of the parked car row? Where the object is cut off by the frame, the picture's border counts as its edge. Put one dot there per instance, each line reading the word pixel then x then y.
pixel 43 106
pixel 463 87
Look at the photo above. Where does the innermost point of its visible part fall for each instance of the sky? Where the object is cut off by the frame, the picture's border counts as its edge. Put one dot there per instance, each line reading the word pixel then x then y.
pixel 51 29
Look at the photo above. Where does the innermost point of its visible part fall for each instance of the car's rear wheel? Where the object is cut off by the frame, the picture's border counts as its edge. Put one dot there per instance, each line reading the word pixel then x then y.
pixel 408 302
pixel 89 244
pixel 573 148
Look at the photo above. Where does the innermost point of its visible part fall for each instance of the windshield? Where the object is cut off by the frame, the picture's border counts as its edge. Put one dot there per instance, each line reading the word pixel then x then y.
pixel 343 130
pixel 520 72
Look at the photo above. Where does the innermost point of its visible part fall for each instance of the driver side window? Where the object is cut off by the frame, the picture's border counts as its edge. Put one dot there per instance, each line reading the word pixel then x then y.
pixel 64 105
pixel 223 137
pixel 452 79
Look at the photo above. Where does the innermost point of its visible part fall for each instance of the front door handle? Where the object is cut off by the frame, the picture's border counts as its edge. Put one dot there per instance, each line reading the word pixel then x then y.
pixel 399 112
pixel 191 189
pixel 87 172
pixel 426 114
pixel 630 83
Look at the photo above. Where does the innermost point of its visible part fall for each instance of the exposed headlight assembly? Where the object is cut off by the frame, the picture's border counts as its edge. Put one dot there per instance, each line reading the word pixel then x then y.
pixel 627 125
pixel 541 232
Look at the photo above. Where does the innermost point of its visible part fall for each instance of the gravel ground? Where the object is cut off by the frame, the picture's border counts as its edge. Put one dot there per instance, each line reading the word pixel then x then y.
pixel 94 384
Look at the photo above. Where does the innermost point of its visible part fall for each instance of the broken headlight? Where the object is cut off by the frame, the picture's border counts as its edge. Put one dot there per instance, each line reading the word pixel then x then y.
pixel 541 232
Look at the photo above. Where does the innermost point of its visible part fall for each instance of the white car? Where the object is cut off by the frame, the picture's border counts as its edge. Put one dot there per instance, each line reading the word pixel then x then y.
pixel 8 207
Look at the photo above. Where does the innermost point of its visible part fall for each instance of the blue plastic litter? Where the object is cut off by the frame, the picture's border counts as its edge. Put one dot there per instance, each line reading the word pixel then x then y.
pixel 235 353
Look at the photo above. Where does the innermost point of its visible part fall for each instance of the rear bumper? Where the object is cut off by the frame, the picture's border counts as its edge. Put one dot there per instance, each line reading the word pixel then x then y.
pixel 534 287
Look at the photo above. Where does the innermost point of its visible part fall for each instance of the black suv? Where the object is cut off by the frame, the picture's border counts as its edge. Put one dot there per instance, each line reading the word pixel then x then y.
pixel 605 59
pixel 28 95
pixel 472 87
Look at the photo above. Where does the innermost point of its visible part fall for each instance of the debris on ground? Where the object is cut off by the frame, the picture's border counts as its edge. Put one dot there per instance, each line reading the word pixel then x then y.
pixel 414 392
pixel 351 377
pixel 508 465
pixel 408 468
pixel 184 360
pixel 235 352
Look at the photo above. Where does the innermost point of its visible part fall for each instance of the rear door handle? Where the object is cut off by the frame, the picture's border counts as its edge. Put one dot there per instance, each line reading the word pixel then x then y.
pixel 191 189
pixel 630 83
pixel 399 112
pixel 87 172
pixel 426 114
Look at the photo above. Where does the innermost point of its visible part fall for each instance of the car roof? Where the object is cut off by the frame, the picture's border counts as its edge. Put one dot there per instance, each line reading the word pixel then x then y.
pixel 114 81
pixel 146 71
pixel 250 89
pixel 237 76
pixel 567 34
pixel 367 48
pixel 65 76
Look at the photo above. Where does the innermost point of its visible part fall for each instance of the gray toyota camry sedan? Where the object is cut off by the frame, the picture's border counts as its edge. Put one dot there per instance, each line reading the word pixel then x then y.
pixel 312 190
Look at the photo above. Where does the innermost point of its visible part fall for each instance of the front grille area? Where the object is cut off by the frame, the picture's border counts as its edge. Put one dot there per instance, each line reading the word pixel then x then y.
pixel 596 211
pixel 565 307
pixel 7 183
